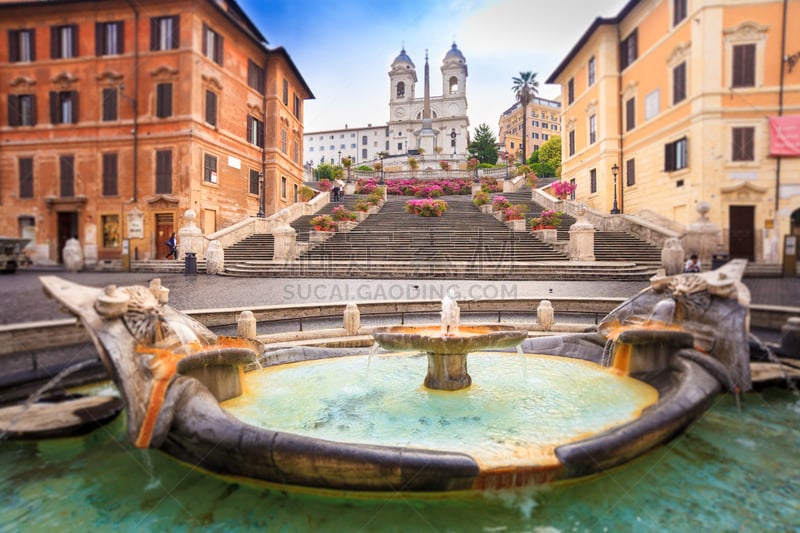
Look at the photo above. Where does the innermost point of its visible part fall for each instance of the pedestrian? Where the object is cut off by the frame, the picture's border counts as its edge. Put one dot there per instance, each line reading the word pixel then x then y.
pixel 336 193
pixel 692 264
pixel 172 247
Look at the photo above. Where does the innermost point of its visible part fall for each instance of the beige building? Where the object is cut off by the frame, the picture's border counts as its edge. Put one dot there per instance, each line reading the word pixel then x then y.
pixel 678 96
pixel 544 121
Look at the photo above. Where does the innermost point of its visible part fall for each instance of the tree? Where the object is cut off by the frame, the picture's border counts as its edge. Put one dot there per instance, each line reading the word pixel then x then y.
pixel 550 154
pixel 484 147
pixel 525 88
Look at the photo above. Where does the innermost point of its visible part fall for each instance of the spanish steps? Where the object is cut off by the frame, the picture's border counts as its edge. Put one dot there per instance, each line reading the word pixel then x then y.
pixel 462 243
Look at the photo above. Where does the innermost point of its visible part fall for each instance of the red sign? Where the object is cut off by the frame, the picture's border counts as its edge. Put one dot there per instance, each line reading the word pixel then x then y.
pixel 784 133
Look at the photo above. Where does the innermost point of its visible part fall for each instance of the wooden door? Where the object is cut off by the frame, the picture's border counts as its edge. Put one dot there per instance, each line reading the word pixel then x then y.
pixel 165 225
pixel 741 237
pixel 67 229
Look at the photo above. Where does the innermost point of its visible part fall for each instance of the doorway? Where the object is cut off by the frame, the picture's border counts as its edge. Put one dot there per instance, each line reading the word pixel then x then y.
pixel 165 226
pixel 741 238
pixel 67 229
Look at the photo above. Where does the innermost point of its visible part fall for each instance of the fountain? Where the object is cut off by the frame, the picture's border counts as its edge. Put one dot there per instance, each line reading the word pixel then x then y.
pixel 675 346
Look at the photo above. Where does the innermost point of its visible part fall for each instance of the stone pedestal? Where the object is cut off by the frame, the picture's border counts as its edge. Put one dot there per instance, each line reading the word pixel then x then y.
pixel 352 319
pixel 246 325
pixel 545 315
pixel 316 237
pixel 476 188
pixel 73 255
pixel 486 209
pixel 346 225
pixel 215 258
pixel 516 225
pixel 581 238
pixel 190 237
pixel 672 257
pixel 549 236
pixel 285 244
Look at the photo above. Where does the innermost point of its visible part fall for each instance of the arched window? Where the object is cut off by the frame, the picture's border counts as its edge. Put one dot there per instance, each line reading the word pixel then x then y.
pixel 401 90
pixel 453 85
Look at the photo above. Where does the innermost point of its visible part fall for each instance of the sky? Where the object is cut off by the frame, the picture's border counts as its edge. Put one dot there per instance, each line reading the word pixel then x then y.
pixel 344 49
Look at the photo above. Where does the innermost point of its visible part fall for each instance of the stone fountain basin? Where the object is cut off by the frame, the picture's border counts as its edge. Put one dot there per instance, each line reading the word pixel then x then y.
pixel 430 339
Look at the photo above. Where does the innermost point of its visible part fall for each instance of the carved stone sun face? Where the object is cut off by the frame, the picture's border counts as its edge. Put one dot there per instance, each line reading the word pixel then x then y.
pixel 144 318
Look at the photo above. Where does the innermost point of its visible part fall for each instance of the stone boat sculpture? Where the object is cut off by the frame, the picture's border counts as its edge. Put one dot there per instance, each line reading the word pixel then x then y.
pixel 686 336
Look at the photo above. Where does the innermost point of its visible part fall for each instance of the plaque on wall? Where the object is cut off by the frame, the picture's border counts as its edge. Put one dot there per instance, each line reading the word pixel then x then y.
pixel 135 224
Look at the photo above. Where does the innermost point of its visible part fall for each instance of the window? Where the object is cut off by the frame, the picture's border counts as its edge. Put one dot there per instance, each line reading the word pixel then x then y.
pixel 212 44
pixel 21 109
pixel 26 177
pixel 66 166
pixel 743 144
pixel 630 172
pixel 211 108
pixel 255 76
pixel 210 168
pixel 295 151
pixel 110 228
pixel 593 181
pixel 545 136
pixel 21 46
pixel 109 103
pixel 679 83
pixel 678 11
pixel 744 65
pixel 535 123
pixel 284 139
pixel 164 172
pixel 592 70
pixel 64 107
pixel 109 38
pixel 283 187
pixel 628 50
pixel 64 41
pixel 297 107
pixel 535 136
pixel 572 142
pixel 254 188
pixel 401 90
pixel 554 127
pixel 630 114
pixel 295 193
pixel 675 155
pixel 652 104
pixel 453 84
pixel 593 129
pixel 285 92
pixel 399 147
pixel 571 91
pixel 164 100
pixel 255 131
pixel 165 33
pixel 364 153
pixel 110 175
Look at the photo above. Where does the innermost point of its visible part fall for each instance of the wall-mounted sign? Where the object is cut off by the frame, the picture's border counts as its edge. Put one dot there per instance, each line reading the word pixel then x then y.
pixel 135 224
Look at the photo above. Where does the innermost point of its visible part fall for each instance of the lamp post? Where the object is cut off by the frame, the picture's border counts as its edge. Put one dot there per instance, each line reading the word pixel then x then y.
pixel 614 171
pixel 340 158
pixel 507 157
pixel 381 156
pixel 260 195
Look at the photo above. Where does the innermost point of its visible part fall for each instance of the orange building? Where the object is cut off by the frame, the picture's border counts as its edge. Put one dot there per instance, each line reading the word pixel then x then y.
pixel 118 116
pixel 544 118
pixel 669 104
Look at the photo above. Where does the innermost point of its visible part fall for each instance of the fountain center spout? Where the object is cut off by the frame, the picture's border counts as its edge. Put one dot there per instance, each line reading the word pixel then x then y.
pixel 451 315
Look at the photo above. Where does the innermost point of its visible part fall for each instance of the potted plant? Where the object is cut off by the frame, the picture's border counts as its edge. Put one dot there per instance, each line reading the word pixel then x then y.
pixel 499 203
pixel 562 189
pixel 325 185
pixel 342 214
pixel 426 207
pixel 305 193
pixel 323 223
pixel 481 198
pixel 515 212
pixel 444 165
pixel 551 218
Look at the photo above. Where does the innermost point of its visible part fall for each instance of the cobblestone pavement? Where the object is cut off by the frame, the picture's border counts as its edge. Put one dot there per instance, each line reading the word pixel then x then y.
pixel 23 300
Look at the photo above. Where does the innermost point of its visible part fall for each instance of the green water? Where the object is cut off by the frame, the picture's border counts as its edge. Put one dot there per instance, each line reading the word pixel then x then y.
pixel 731 471
pixel 516 411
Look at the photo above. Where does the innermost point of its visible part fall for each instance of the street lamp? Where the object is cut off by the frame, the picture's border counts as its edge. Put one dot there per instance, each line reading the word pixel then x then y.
pixel 381 155
pixel 340 158
pixel 260 195
pixel 614 171
pixel 507 157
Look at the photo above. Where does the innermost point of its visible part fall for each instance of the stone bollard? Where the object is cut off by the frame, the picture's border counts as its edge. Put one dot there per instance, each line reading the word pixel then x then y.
pixel 672 256
pixel 352 319
pixel 246 325
pixel 215 258
pixel 545 315
pixel 581 237
pixel 73 255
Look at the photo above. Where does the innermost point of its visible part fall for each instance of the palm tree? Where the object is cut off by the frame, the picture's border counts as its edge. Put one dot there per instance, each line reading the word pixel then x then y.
pixel 525 88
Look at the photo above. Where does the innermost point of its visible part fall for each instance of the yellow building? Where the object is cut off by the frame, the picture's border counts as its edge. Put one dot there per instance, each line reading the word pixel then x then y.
pixel 677 96
pixel 543 123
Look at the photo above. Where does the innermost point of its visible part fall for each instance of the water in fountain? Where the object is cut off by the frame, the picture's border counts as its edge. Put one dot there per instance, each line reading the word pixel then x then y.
pixel 451 315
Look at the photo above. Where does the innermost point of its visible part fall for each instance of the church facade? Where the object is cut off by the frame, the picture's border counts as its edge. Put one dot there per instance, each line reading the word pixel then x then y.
pixel 426 127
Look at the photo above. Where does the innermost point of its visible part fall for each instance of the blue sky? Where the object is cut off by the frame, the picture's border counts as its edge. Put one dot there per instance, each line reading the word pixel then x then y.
pixel 344 48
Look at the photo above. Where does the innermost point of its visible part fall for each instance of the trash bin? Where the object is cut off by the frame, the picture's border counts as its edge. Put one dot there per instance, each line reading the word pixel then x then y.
pixel 191 263
pixel 717 260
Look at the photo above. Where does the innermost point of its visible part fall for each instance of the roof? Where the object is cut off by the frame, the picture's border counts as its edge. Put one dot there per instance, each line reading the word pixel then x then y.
pixel 599 21
pixel 282 51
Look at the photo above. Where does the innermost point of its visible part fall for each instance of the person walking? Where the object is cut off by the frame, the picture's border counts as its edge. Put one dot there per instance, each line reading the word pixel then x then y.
pixel 172 247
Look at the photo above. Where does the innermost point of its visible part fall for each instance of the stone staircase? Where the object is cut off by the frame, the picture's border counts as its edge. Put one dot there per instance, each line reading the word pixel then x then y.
pixel 462 243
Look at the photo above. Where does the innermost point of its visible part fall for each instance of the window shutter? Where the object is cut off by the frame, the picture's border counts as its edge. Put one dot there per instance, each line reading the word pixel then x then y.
pixel 121 37
pixel 26 177
pixel 669 156
pixel 630 172
pixel 99 39
pixel 168 99
pixel 54 115
pixel 154 33
pixel 218 50
pixel 250 129
pixel 13 110
pixel 211 108
pixel 260 134
pixel 13 46
pixel 205 39
pixel 54 43
pixel 76 52
pixel 176 32
pixel 33 110
pixel 74 96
